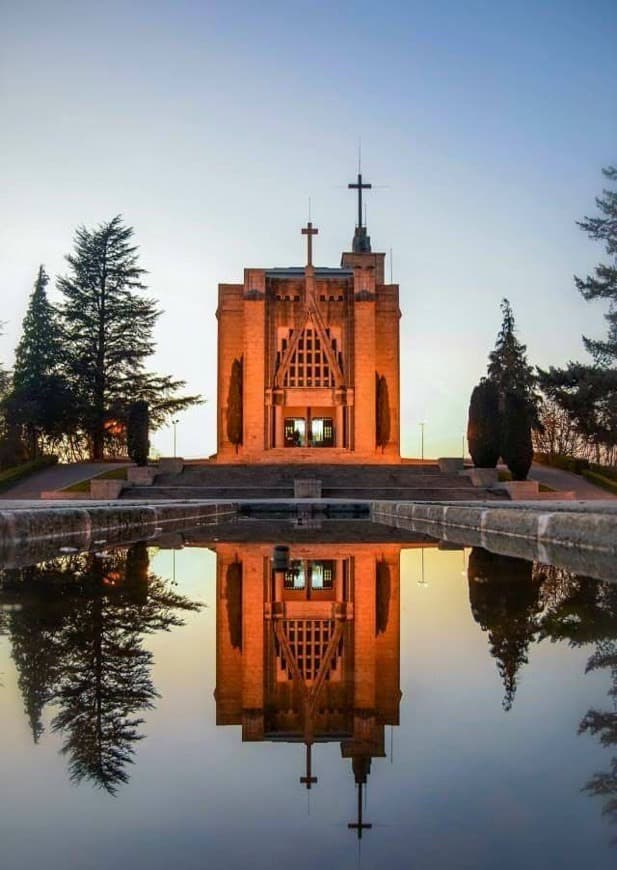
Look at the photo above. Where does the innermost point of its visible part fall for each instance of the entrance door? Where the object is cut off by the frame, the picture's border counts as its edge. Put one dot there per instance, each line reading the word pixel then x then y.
pixel 295 432
pixel 322 432
pixel 309 579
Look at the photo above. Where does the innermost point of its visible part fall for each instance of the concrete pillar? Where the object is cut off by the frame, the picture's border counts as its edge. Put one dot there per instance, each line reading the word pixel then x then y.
pixel 254 417
pixel 364 377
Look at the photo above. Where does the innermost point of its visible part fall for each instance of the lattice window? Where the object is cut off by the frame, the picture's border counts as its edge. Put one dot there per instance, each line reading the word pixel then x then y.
pixel 309 366
pixel 308 641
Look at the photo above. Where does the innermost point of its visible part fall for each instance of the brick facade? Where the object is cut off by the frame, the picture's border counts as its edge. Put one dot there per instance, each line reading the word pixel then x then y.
pixel 312 342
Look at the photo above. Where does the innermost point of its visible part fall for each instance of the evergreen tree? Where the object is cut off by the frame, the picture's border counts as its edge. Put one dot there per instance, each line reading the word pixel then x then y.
pixel 516 444
pixel 108 325
pixel 137 441
pixel 508 368
pixel 504 601
pixel 484 425
pixel 40 399
pixel 603 284
pixel 589 392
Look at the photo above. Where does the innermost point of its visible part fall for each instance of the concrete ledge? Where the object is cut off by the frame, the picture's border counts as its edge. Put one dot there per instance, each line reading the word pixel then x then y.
pixel 141 475
pixel 307 488
pixel 64 495
pixel 482 476
pixel 520 490
pixel 450 465
pixel 583 540
pixel 106 489
pixel 22 528
pixel 170 465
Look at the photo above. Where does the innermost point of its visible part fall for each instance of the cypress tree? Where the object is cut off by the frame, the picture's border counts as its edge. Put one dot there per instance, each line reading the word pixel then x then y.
pixel 137 442
pixel 483 427
pixel 108 325
pixel 516 448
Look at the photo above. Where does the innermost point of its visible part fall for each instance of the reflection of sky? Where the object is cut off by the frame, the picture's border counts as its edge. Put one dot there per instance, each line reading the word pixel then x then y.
pixel 209 124
pixel 469 786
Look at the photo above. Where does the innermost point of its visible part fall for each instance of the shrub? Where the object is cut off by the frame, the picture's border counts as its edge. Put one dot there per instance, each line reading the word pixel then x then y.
pixel 483 428
pixel 516 448
pixel 137 430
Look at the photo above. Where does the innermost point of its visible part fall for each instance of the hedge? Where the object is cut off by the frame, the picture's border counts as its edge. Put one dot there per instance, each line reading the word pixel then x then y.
pixel 11 476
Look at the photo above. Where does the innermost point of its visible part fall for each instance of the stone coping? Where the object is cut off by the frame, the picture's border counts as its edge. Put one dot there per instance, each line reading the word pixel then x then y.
pixel 578 536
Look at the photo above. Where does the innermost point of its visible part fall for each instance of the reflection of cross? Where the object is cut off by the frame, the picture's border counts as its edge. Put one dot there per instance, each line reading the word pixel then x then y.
pixel 359 187
pixel 308 780
pixel 309 231
pixel 359 826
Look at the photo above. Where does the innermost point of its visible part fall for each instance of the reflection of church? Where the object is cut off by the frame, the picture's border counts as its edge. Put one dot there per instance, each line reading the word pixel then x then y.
pixel 308 360
pixel 310 654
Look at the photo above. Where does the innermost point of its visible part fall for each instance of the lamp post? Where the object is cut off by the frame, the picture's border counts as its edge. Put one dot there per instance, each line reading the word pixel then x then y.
pixel 174 423
pixel 422 425
pixel 463 446
pixel 422 582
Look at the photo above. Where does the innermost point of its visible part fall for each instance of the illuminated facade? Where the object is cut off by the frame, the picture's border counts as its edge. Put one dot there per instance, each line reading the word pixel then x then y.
pixel 310 654
pixel 308 361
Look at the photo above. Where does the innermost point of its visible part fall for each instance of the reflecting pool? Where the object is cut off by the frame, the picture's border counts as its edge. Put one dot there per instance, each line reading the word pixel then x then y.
pixel 381 700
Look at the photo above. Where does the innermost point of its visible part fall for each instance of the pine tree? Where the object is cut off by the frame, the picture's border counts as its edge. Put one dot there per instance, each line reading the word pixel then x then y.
pixel 508 368
pixel 603 284
pixel 589 392
pixel 108 325
pixel 40 399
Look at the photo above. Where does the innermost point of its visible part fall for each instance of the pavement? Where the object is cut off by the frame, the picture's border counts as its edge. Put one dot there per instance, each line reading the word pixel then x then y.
pixel 565 480
pixel 57 477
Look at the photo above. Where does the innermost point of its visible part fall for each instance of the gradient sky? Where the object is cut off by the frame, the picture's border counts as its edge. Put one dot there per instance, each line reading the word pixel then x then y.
pixel 208 125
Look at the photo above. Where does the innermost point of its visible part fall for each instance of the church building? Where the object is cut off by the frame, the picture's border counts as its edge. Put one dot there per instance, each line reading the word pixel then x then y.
pixel 308 360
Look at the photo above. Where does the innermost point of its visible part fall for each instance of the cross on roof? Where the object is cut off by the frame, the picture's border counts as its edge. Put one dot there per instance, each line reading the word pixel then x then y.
pixel 360 825
pixel 309 779
pixel 359 186
pixel 309 231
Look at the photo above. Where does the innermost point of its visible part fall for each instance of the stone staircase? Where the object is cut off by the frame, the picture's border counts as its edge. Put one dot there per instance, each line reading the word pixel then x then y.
pixel 350 482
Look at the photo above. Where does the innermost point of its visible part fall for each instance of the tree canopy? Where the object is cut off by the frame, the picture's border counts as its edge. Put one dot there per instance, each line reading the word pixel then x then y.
pixel 588 392
pixel 107 332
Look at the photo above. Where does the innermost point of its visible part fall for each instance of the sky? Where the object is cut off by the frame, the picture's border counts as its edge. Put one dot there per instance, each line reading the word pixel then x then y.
pixel 207 125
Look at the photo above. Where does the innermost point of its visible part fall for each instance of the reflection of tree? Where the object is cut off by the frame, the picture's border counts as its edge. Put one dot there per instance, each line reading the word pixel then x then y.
pixel 588 615
pixel 504 601
pixel 90 661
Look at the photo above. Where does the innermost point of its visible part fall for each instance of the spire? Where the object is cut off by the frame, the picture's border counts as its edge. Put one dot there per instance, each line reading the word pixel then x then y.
pixel 361 243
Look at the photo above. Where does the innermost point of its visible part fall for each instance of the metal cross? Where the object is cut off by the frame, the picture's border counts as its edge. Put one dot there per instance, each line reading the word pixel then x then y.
pixel 359 187
pixel 309 231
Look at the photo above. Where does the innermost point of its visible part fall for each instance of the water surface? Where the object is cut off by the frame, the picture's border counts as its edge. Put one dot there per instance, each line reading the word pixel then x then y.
pixel 383 703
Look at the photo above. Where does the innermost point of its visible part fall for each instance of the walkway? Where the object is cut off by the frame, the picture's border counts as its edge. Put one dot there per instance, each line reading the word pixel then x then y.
pixel 57 477
pixel 565 480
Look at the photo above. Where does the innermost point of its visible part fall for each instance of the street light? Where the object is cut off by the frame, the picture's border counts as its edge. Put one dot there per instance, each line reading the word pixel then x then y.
pixel 174 423
pixel 422 425
pixel 422 582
